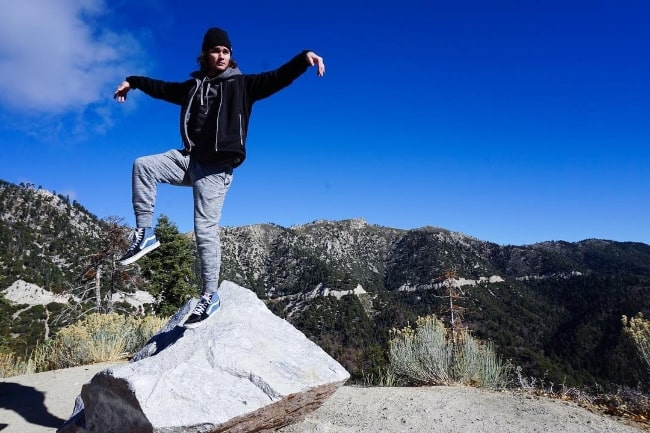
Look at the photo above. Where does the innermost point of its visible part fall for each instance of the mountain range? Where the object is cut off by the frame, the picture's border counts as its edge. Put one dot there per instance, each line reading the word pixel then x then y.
pixel 553 308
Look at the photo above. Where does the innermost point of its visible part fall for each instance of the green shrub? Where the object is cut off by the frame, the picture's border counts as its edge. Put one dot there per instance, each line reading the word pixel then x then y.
pixel 430 354
pixel 422 354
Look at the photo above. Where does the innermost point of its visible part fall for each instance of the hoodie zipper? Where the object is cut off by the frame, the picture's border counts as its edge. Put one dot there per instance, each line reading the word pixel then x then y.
pixel 241 133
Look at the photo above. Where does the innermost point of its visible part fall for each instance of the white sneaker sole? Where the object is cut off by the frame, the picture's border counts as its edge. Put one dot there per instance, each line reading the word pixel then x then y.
pixel 136 257
pixel 197 324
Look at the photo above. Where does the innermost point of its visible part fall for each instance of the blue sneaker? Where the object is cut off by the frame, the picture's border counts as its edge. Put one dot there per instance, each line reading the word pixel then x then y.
pixel 143 241
pixel 206 306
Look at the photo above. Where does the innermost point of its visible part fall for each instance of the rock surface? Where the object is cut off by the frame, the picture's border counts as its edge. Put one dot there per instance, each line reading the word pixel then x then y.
pixel 244 370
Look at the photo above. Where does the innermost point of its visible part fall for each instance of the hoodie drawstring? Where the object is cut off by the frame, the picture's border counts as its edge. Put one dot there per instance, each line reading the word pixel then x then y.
pixel 207 91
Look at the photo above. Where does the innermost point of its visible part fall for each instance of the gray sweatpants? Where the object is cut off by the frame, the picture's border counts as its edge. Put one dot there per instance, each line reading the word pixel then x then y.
pixel 209 183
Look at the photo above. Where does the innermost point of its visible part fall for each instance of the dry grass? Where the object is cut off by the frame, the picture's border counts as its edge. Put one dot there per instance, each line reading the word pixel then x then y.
pixel 11 365
pixel 623 403
pixel 96 338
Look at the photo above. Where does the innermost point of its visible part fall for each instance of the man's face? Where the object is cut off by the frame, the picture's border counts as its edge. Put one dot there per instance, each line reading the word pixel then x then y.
pixel 219 58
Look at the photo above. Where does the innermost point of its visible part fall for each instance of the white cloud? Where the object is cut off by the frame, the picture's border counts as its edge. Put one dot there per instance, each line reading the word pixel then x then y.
pixel 58 56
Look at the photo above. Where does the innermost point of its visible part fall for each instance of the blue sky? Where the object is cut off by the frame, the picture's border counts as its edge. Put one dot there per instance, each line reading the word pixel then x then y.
pixel 513 122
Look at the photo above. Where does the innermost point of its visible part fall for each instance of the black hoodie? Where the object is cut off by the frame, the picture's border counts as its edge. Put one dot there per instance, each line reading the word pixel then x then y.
pixel 215 110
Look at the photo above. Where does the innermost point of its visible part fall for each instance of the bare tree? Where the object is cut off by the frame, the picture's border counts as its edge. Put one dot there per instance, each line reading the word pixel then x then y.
pixel 102 276
pixel 455 310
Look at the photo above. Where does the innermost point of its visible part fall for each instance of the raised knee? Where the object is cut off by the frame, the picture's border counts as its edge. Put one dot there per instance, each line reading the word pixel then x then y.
pixel 140 162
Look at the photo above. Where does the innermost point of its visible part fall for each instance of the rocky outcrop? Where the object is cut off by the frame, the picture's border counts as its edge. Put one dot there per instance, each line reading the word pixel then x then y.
pixel 245 370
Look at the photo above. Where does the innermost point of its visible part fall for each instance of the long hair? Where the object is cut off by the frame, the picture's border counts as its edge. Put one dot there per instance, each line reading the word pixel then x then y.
pixel 202 60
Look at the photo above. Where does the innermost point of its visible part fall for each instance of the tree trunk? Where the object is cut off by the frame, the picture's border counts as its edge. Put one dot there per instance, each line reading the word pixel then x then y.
pixel 98 285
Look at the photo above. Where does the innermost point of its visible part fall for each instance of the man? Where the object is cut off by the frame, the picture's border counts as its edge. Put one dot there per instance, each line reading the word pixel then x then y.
pixel 215 106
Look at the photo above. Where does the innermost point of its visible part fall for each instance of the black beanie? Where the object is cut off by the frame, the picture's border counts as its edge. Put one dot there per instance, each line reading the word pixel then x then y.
pixel 216 36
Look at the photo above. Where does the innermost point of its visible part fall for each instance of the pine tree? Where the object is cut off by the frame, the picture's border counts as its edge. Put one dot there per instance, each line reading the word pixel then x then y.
pixel 169 269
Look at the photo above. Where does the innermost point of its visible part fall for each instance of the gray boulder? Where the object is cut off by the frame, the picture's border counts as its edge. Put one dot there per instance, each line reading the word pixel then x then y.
pixel 244 370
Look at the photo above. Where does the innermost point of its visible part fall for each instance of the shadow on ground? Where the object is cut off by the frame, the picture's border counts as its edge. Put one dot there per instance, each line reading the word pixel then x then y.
pixel 28 403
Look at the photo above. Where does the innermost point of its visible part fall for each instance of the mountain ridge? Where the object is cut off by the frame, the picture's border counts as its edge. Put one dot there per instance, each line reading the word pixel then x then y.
pixel 553 307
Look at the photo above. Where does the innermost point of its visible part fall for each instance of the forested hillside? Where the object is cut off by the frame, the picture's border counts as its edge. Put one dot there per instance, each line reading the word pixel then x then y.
pixel 43 236
pixel 553 308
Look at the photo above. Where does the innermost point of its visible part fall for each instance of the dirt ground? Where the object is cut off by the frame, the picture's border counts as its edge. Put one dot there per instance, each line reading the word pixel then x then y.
pixel 40 402
pixel 451 409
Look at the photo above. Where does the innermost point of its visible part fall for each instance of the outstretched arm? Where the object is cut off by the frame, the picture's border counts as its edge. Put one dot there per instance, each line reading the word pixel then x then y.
pixel 315 60
pixel 260 86
pixel 174 92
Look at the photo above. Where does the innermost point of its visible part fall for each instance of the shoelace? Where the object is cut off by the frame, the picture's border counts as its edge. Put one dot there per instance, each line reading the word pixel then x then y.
pixel 201 306
pixel 135 238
